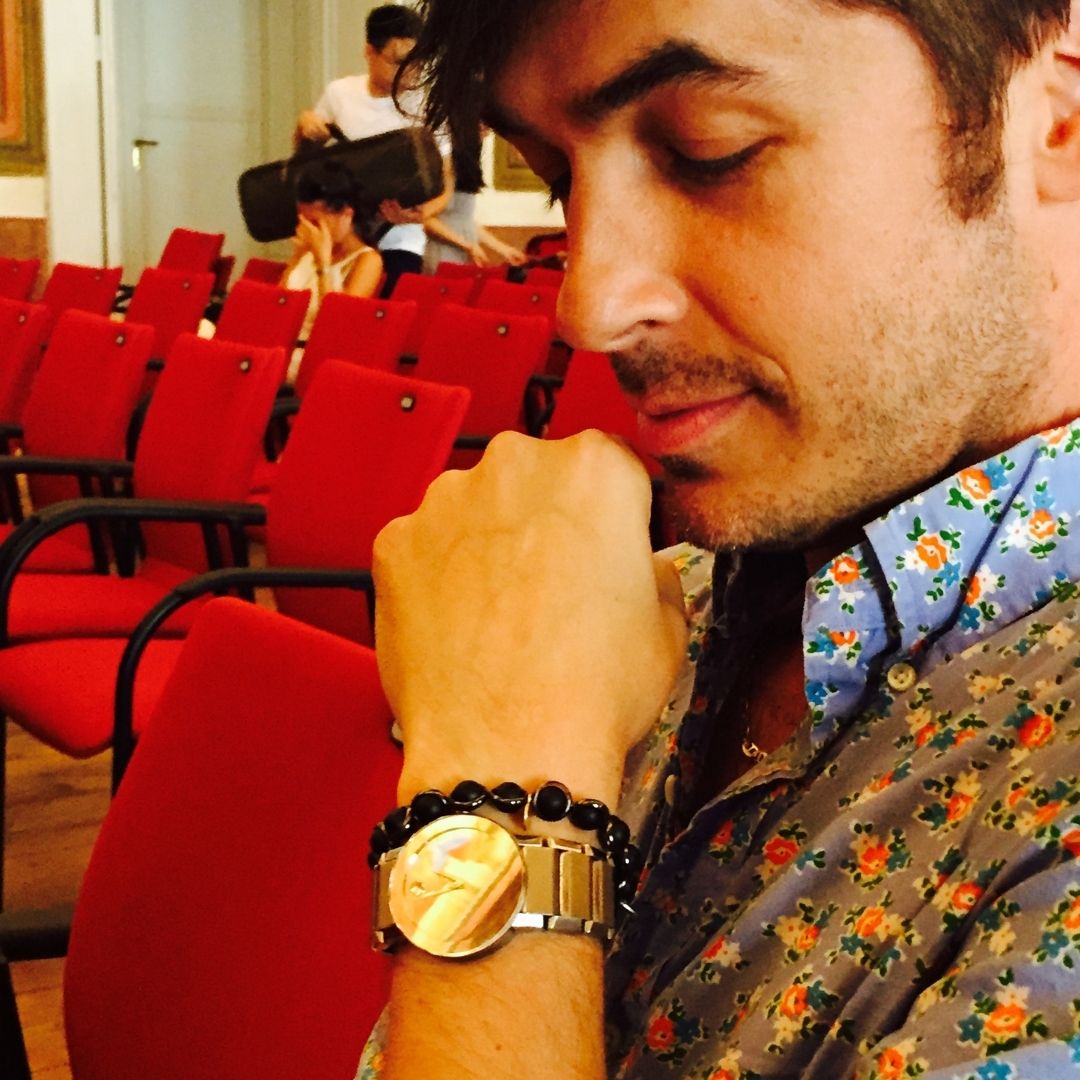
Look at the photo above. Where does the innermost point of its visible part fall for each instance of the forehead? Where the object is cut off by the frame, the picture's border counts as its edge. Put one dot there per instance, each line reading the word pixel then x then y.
pixel 810 47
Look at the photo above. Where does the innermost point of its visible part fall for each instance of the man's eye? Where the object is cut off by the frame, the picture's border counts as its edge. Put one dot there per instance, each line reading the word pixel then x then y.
pixel 706 171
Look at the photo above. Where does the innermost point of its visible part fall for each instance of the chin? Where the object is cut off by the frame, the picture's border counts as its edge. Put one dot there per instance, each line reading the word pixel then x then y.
pixel 712 513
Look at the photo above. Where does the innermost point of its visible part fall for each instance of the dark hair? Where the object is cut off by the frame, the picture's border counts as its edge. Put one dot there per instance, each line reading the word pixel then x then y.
pixel 391 21
pixel 327 182
pixel 974 45
pixel 465 157
pixel 332 184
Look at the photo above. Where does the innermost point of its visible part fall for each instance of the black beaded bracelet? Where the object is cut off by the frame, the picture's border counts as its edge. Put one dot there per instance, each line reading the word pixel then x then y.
pixel 550 802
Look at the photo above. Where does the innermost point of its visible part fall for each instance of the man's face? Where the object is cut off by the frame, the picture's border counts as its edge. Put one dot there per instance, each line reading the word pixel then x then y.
pixel 383 63
pixel 760 236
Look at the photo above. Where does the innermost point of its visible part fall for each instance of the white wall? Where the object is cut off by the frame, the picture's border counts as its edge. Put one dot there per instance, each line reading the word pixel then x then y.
pixel 22 196
pixel 73 154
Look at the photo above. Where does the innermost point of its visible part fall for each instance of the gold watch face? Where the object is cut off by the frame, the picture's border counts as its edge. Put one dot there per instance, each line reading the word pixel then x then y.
pixel 457 885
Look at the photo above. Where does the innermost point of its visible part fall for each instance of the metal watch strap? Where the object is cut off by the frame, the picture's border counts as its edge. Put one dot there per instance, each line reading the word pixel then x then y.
pixel 569 888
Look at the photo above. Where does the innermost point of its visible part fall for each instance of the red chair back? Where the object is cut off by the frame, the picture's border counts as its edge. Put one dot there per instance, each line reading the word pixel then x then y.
pixel 203 433
pixel 268 271
pixel 429 293
pixel 188 249
pixel 17 277
pixel 83 395
pixel 23 330
pixel 476 274
pixel 491 353
pixel 222 926
pixel 171 301
pixel 358 329
pixel 365 446
pixel 259 314
pixel 84 288
pixel 525 299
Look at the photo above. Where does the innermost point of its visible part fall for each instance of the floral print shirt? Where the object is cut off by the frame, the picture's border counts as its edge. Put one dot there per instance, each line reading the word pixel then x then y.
pixel 895 891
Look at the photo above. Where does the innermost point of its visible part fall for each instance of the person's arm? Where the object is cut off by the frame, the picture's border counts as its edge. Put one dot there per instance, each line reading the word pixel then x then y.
pixel 364 275
pixel 524 633
pixel 438 228
pixel 507 252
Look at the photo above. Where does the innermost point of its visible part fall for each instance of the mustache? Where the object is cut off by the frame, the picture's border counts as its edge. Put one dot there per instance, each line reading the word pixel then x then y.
pixel 647 368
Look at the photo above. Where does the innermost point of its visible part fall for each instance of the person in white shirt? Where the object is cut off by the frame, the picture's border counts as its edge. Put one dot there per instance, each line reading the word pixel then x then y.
pixel 361 106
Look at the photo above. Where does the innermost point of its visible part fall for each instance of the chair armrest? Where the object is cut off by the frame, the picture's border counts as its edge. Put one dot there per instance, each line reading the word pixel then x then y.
pixel 58 466
pixel 17 547
pixel 472 442
pixel 35 934
pixel 216 582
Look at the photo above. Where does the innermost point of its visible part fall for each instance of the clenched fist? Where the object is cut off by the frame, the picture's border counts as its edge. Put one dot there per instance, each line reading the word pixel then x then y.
pixel 523 629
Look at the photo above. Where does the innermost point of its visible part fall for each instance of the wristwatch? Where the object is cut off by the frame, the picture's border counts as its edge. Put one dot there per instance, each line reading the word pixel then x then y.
pixel 459 885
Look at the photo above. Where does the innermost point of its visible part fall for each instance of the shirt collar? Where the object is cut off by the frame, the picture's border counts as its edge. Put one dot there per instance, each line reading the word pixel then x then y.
pixel 942 570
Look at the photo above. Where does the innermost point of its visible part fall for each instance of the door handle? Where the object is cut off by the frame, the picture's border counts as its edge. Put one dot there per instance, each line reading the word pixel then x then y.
pixel 137 148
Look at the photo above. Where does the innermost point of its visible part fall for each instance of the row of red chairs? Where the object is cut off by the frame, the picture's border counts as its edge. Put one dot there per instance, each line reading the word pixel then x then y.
pixel 363 451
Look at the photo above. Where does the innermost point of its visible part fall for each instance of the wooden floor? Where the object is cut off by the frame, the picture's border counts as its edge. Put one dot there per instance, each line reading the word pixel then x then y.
pixel 54 807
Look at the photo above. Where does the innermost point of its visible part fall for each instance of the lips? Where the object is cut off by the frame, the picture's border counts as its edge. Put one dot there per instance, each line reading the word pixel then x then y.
pixel 671 428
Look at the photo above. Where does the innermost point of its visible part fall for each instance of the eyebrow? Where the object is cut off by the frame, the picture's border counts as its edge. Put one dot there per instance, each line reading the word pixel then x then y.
pixel 671 62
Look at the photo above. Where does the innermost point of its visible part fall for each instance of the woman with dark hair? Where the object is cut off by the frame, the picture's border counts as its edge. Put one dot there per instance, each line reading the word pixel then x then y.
pixel 454 235
pixel 331 249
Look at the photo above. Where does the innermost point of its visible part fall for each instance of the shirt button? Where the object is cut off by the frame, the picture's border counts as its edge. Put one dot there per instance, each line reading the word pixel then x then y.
pixel 670 787
pixel 901 677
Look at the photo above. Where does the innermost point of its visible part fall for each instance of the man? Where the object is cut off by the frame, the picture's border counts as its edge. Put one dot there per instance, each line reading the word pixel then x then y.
pixel 830 247
pixel 364 105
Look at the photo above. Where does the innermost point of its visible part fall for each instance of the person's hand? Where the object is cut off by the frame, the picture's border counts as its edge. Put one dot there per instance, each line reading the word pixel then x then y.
pixel 478 256
pixel 524 631
pixel 315 238
pixel 508 253
pixel 397 214
pixel 311 126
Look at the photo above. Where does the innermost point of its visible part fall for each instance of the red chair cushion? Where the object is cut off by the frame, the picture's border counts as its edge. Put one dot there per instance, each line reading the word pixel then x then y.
pixel 91 605
pixel 62 692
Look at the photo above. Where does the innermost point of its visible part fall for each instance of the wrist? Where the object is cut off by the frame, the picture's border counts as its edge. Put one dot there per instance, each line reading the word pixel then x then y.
pixel 590 776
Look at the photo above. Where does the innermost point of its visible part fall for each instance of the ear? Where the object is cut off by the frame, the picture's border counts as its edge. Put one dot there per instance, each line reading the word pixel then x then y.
pixel 1058 151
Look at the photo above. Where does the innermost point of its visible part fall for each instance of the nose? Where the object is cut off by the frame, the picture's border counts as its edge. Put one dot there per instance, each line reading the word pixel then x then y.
pixel 621 283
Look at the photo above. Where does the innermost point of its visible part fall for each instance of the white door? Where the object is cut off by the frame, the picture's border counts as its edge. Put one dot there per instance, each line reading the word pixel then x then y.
pixel 194 109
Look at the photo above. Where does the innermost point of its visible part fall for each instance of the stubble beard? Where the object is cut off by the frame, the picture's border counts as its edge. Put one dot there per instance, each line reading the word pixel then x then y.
pixel 941 370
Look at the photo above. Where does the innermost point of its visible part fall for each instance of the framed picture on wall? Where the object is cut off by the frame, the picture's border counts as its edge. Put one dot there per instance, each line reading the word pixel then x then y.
pixel 22 144
pixel 512 172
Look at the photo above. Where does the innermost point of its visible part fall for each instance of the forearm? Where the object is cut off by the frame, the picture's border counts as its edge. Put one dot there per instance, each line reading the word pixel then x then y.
pixel 533 1008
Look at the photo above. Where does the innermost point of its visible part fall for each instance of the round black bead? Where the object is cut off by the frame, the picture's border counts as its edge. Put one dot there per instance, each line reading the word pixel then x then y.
pixel 625 889
pixel 468 796
pixel 380 842
pixel 624 860
pixel 616 834
pixel 552 801
pixel 589 814
pixel 509 798
pixel 397 825
pixel 373 860
pixel 427 806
